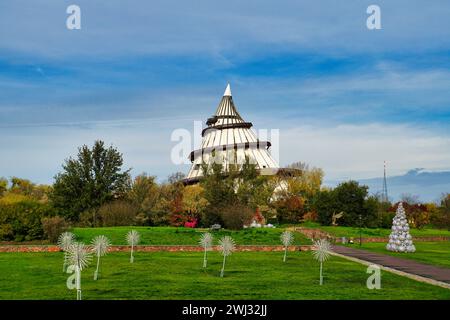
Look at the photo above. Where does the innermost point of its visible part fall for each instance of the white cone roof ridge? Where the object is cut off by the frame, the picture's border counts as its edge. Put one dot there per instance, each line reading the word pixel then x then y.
pixel 227 92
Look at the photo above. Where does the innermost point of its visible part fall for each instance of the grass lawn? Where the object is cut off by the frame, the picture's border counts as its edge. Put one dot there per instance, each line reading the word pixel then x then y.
pixel 185 236
pixel 165 275
pixel 339 231
pixel 436 253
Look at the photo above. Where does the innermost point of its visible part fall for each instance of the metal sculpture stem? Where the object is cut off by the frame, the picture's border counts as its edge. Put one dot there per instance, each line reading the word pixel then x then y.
pixel 98 264
pixel 321 277
pixel 78 278
pixel 132 248
pixel 204 259
pixel 223 266
pixel 65 262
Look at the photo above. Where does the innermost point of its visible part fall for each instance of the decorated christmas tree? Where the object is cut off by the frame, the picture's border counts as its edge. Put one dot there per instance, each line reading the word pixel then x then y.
pixel 400 240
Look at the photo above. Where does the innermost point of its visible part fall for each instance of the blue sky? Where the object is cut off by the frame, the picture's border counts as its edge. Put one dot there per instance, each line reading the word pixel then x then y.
pixel 344 98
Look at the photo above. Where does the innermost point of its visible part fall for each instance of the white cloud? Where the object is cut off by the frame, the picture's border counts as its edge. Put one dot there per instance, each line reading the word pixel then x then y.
pixel 112 28
pixel 358 151
pixel 342 151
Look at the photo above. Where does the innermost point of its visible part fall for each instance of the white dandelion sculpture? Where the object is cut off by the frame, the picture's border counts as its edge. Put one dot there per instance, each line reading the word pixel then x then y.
pixel 65 240
pixel 321 251
pixel 133 239
pixel 227 246
pixel 100 245
pixel 79 258
pixel 286 238
pixel 400 240
pixel 206 241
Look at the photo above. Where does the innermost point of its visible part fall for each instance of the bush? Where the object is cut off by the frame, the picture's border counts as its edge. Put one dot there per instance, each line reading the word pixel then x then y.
pixel 53 227
pixel 6 232
pixel 441 217
pixel 21 220
pixel 117 213
pixel 211 216
pixel 385 219
pixel 236 216
pixel 290 209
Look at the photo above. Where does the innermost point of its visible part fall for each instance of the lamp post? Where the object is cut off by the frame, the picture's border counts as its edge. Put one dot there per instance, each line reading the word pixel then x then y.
pixel 360 229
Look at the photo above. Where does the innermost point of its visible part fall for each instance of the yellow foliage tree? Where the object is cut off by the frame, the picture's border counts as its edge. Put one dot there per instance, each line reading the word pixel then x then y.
pixel 194 201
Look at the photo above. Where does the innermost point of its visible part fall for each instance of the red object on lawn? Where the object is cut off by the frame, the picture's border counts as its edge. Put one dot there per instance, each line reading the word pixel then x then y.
pixel 191 224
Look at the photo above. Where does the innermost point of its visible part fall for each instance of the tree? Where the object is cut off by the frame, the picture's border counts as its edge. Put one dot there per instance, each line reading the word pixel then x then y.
pixel 290 208
pixel 307 183
pixel 252 189
pixel 144 194
pixel 444 220
pixel 351 199
pixel 21 186
pixel 193 201
pixel 3 186
pixel 409 198
pixel 219 192
pixel 296 197
pixel 372 209
pixel 236 215
pixel 325 204
pixel 176 177
pixel 53 227
pixel 117 213
pixel 90 180
pixel 417 214
pixel 440 217
pixel 21 218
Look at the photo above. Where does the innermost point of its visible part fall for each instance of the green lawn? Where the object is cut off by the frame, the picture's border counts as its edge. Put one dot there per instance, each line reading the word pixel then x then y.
pixel 339 231
pixel 436 253
pixel 165 275
pixel 185 236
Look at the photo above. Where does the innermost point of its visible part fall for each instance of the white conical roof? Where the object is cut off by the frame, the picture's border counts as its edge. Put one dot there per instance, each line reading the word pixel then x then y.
pixel 227 91
pixel 230 137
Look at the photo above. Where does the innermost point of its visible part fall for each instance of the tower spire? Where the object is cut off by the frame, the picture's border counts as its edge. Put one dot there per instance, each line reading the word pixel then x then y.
pixel 227 91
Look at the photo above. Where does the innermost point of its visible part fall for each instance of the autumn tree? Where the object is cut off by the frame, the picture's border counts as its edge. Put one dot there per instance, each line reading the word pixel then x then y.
pixel 307 182
pixel 193 200
pixel 144 195
pixel 442 220
pixel 297 190
pixel 417 214
pixel 21 186
pixel 3 186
